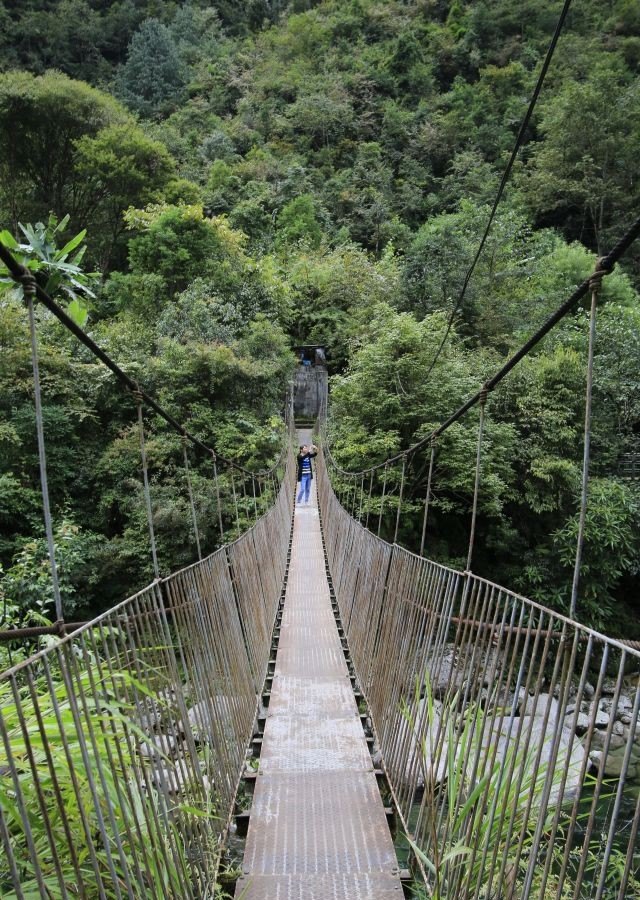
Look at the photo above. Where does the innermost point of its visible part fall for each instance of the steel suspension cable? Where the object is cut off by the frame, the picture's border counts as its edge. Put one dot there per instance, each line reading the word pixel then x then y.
pixel 605 264
pixel 505 176
pixel 18 271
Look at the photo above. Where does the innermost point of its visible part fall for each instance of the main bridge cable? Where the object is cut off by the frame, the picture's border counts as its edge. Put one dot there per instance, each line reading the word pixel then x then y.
pixel 605 265
pixel 18 271
pixel 505 176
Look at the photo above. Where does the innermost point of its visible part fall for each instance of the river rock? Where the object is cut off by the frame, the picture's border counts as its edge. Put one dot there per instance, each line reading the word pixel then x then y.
pixel 570 753
pixel 414 747
pixel 537 706
pixel 212 718
pixel 614 763
pixel 582 723
pixel 443 672
pixel 170 780
pixel 625 704
pixel 159 746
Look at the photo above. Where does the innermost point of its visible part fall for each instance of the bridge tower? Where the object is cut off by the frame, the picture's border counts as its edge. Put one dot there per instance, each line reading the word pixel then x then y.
pixel 310 383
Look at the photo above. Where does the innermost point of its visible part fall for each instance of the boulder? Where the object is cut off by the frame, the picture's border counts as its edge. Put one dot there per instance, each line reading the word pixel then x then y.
pixel 498 745
pixel 411 753
pixel 538 706
pixel 159 746
pixel 614 763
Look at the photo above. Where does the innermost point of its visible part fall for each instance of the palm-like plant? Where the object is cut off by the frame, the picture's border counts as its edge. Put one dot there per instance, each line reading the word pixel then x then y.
pixel 57 270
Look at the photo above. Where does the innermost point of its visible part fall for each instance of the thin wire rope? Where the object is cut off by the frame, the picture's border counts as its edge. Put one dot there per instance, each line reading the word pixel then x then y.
pixel 584 493
pixel 235 500
pixel 476 487
pixel 217 490
pixel 366 524
pixel 427 498
pixel 400 498
pixel 255 501
pixel 147 492
pixel 28 284
pixel 353 499
pixel 505 177
pixel 360 505
pixel 384 491
pixel 194 518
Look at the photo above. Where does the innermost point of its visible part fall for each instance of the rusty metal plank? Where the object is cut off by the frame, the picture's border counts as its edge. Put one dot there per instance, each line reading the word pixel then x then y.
pixel 319 660
pixel 328 695
pixel 318 824
pixel 362 886
pixel 301 744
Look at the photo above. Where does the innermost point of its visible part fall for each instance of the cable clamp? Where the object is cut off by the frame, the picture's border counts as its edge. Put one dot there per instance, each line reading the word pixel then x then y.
pixel 596 277
pixel 28 281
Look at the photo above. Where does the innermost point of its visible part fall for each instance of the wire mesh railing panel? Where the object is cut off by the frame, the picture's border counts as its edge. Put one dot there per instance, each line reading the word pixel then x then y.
pixel 247 586
pixel 122 745
pixel 362 626
pixel 510 734
pixel 253 567
pixel 102 792
pixel 212 651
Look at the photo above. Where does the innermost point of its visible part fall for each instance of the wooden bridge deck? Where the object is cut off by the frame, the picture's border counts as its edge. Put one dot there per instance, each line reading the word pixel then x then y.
pixel 318 827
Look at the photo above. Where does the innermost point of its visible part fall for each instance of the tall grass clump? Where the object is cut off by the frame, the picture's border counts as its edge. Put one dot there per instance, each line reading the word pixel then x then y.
pixel 82 811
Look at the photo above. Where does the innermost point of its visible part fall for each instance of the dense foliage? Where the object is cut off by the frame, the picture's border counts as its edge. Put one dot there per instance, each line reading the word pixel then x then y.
pixel 257 175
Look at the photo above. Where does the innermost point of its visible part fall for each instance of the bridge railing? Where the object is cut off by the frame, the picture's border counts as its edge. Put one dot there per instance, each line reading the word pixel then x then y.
pixel 122 745
pixel 510 735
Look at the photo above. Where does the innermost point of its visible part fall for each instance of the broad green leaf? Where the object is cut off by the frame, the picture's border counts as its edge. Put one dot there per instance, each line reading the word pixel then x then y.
pixel 78 312
pixel 73 243
pixel 8 240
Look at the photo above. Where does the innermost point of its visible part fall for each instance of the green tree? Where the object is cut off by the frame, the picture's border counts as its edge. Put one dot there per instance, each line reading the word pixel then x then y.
pixel 152 80
pixel 298 222
pixel 117 168
pixel 41 119
pixel 581 174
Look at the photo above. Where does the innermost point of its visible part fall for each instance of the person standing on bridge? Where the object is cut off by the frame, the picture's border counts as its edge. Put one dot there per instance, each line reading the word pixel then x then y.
pixel 305 472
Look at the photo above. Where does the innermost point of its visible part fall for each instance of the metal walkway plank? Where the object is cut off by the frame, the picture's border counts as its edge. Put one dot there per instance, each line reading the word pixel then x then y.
pixel 323 887
pixel 317 828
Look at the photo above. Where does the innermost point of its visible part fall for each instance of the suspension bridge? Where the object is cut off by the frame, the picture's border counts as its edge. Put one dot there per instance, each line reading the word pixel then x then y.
pixel 374 717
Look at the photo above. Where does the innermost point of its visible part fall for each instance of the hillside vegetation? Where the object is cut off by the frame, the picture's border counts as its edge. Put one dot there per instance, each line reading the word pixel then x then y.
pixel 252 176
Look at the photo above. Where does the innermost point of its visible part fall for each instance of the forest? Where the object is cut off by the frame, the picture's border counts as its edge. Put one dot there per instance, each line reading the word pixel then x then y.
pixel 235 179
